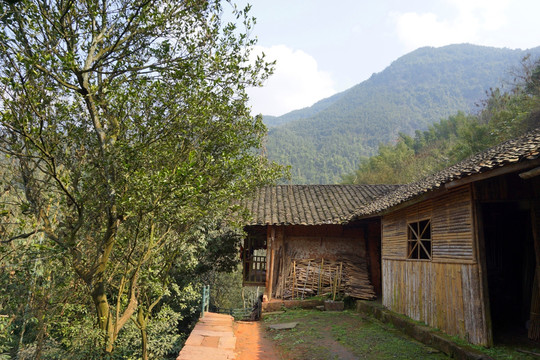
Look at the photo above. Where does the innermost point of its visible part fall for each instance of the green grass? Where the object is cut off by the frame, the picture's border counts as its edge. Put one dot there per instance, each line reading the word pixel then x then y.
pixel 343 335
pixel 349 334
pixel 508 350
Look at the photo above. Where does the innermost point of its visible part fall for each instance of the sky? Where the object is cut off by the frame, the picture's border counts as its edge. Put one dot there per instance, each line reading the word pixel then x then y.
pixel 324 47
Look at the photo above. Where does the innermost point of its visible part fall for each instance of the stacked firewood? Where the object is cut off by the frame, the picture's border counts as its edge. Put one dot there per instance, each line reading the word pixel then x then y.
pixel 346 276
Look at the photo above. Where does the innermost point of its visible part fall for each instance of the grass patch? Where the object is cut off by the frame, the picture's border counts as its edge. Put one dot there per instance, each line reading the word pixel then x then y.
pixel 342 335
pixel 507 350
pixel 350 335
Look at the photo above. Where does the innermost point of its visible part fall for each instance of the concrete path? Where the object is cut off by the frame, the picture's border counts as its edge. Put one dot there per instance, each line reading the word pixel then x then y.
pixel 211 339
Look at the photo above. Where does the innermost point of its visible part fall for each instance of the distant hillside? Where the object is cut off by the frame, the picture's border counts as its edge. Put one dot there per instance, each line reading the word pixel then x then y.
pixel 328 139
pixel 302 113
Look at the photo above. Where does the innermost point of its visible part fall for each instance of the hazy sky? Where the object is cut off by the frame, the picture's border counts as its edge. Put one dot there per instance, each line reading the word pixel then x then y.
pixel 324 47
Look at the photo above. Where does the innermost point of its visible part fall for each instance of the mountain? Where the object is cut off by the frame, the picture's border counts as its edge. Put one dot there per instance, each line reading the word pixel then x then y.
pixel 328 139
pixel 302 113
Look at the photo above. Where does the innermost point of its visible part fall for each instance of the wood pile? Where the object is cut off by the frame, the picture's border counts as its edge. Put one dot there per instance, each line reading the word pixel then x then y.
pixel 310 277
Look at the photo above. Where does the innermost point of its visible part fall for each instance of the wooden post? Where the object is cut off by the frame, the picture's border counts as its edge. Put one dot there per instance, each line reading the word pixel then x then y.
pixel 284 275
pixel 270 267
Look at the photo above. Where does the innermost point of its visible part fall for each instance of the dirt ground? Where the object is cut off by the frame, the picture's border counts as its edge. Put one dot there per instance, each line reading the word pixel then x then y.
pixel 320 336
pixel 341 335
pixel 251 344
pixel 346 335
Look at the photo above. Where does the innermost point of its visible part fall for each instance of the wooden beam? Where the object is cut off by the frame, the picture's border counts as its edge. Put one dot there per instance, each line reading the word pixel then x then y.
pixel 271 235
pixel 530 174
pixel 502 170
pixel 414 200
pixel 506 169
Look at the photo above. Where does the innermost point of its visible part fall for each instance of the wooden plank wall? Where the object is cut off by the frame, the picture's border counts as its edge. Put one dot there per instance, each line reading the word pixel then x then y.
pixel 451 227
pixel 443 295
pixel 445 292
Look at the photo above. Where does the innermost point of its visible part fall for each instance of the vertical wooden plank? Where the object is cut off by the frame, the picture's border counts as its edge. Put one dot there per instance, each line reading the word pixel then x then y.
pixel 460 298
pixel 385 280
pixel 467 303
pixel 481 282
pixel 270 235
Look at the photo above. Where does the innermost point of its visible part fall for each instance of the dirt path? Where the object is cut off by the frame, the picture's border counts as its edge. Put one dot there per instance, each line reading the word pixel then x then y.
pixel 333 347
pixel 347 335
pixel 251 344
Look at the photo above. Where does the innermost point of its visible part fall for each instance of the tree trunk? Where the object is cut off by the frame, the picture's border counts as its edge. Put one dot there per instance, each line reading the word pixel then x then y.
pixel 144 340
pixel 104 315
pixel 141 324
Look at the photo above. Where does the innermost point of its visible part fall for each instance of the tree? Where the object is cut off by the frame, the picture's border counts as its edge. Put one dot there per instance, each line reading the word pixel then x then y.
pixel 127 122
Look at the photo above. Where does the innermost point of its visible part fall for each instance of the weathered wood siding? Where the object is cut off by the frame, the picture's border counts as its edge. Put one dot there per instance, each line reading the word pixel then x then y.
pixel 451 227
pixel 443 295
pixel 445 292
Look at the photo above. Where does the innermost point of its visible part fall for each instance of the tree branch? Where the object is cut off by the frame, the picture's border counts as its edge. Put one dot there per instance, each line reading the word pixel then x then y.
pixel 23 236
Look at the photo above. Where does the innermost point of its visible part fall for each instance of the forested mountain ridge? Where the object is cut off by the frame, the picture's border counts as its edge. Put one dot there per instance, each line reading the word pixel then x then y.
pixel 502 116
pixel 302 113
pixel 329 139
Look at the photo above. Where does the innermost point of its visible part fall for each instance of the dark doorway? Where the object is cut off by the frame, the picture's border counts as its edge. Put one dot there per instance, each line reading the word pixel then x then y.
pixel 510 262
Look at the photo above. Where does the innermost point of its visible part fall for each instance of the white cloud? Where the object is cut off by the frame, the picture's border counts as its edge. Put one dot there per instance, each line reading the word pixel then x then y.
pixel 473 23
pixel 297 82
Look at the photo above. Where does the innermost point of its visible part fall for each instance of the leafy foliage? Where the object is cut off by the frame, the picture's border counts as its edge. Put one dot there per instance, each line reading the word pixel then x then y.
pixel 124 130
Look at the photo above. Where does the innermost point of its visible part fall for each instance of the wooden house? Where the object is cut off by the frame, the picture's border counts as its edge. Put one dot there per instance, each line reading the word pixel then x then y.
pixel 461 248
pixel 306 229
pixel 458 250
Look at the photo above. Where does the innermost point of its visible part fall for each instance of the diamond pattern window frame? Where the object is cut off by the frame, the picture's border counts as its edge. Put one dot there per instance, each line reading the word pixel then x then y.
pixel 419 242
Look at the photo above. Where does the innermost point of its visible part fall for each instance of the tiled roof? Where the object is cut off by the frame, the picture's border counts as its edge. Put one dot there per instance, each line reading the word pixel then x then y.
pixel 311 204
pixel 510 152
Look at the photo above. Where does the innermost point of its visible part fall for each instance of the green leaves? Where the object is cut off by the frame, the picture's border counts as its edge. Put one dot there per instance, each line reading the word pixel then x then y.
pixel 129 130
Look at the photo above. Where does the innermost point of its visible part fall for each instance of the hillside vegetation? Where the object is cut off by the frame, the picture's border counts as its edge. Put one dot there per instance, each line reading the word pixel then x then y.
pixel 503 116
pixel 329 139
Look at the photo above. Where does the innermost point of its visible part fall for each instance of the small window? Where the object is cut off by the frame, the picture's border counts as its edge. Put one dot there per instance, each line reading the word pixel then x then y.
pixel 419 240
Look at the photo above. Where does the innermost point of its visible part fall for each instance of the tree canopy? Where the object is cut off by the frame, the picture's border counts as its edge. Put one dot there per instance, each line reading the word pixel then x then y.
pixel 124 128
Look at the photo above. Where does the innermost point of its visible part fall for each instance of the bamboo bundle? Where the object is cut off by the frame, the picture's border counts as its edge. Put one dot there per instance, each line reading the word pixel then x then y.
pixel 309 277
